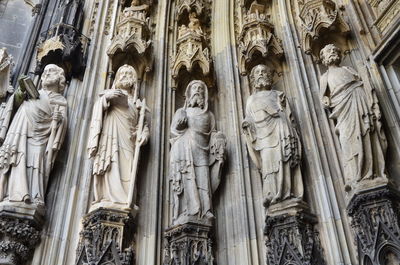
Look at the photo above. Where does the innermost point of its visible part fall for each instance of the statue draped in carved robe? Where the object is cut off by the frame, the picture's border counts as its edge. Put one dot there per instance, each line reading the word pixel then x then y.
pixel 357 115
pixel 272 139
pixel 115 140
pixel 31 139
pixel 197 156
pixel 6 63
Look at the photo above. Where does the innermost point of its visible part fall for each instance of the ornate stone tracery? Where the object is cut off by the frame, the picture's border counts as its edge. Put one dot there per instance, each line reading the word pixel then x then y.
pixel 257 37
pixel 132 40
pixel 107 238
pixel 318 17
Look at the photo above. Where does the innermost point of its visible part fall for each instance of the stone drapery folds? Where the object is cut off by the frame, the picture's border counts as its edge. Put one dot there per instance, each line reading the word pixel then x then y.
pixel 117 132
pixel 354 107
pixel 197 156
pixel 272 139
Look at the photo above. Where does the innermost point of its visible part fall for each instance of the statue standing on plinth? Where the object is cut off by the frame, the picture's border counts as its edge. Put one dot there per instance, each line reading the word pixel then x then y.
pixel 197 156
pixel 118 130
pixel 356 112
pixel 31 138
pixel 272 139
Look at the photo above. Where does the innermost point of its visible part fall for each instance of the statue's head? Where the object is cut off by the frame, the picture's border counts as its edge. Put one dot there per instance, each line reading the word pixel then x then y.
pixel 196 94
pixel 135 3
pixel 331 55
pixel 126 78
pixel 53 78
pixel 261 77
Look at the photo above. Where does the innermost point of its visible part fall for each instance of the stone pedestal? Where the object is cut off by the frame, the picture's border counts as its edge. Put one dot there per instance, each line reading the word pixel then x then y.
pixel 188 244
pixel 107 237
pixel 290 234
pixel 375 222
pixel 20 226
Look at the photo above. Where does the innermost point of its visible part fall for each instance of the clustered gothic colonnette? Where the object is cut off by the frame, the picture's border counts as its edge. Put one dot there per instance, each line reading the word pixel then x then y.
pixel 204 132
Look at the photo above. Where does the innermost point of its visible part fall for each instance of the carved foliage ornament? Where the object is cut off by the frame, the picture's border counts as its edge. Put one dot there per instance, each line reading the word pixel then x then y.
pixel 18 239
pixel 315 17
pixel 257 36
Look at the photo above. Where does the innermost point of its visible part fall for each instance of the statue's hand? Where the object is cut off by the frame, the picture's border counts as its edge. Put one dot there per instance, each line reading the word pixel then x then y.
pixel 182 123
pixel 57 116
pixel 113 93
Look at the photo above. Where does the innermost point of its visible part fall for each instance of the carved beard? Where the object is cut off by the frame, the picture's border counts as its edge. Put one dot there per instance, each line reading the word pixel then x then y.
pixel 196 100
pixel 332 59
pixel 262 82
pixel 125 84
pixel 51 81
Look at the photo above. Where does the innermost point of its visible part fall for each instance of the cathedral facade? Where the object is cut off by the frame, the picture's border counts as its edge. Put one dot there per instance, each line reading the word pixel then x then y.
pixel 188 132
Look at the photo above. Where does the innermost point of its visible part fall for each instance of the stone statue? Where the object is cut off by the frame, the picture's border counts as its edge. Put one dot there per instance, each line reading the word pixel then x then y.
pixel 32 138
pixel 6 63
pixel 197 156
pixel 272 139
pixel 356 112
pixel 117 132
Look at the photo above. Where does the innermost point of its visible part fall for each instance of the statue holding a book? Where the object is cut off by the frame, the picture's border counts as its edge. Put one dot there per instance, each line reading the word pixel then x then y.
pixel 117 131
pixel 32 130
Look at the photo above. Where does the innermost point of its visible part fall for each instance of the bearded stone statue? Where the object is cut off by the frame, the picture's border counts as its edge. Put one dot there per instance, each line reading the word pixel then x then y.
pixel 31 139
pixel 117 132
pixel 356 112
pixel 272 139
pixel 197 156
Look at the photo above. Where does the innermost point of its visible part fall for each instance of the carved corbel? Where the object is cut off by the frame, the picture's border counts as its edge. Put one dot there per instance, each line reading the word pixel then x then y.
pixel 20 227
pixel 318 19
pixel 106 238
pixel 257 37
pixel 375 222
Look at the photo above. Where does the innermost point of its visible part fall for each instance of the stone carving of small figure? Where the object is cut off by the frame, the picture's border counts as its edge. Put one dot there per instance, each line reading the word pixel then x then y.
pixel 117 132
pixel 194 23
pixel 357 116
pixel 272 139
pixel 32 138
pixel 197 156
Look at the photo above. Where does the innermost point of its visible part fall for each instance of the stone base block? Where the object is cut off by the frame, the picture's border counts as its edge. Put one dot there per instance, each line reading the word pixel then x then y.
pixel 375 214
pixel 107 237
pixel 188 244
pixel 290 235
pixel 20 226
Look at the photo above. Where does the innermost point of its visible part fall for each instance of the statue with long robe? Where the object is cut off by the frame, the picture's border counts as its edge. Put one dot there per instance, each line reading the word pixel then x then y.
pixel 196 157
pixel 31 139
pixel 272 139
pixel 354 107
pixel 117 132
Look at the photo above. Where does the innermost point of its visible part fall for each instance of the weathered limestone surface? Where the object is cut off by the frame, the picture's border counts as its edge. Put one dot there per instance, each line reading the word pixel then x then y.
pixel 220 45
